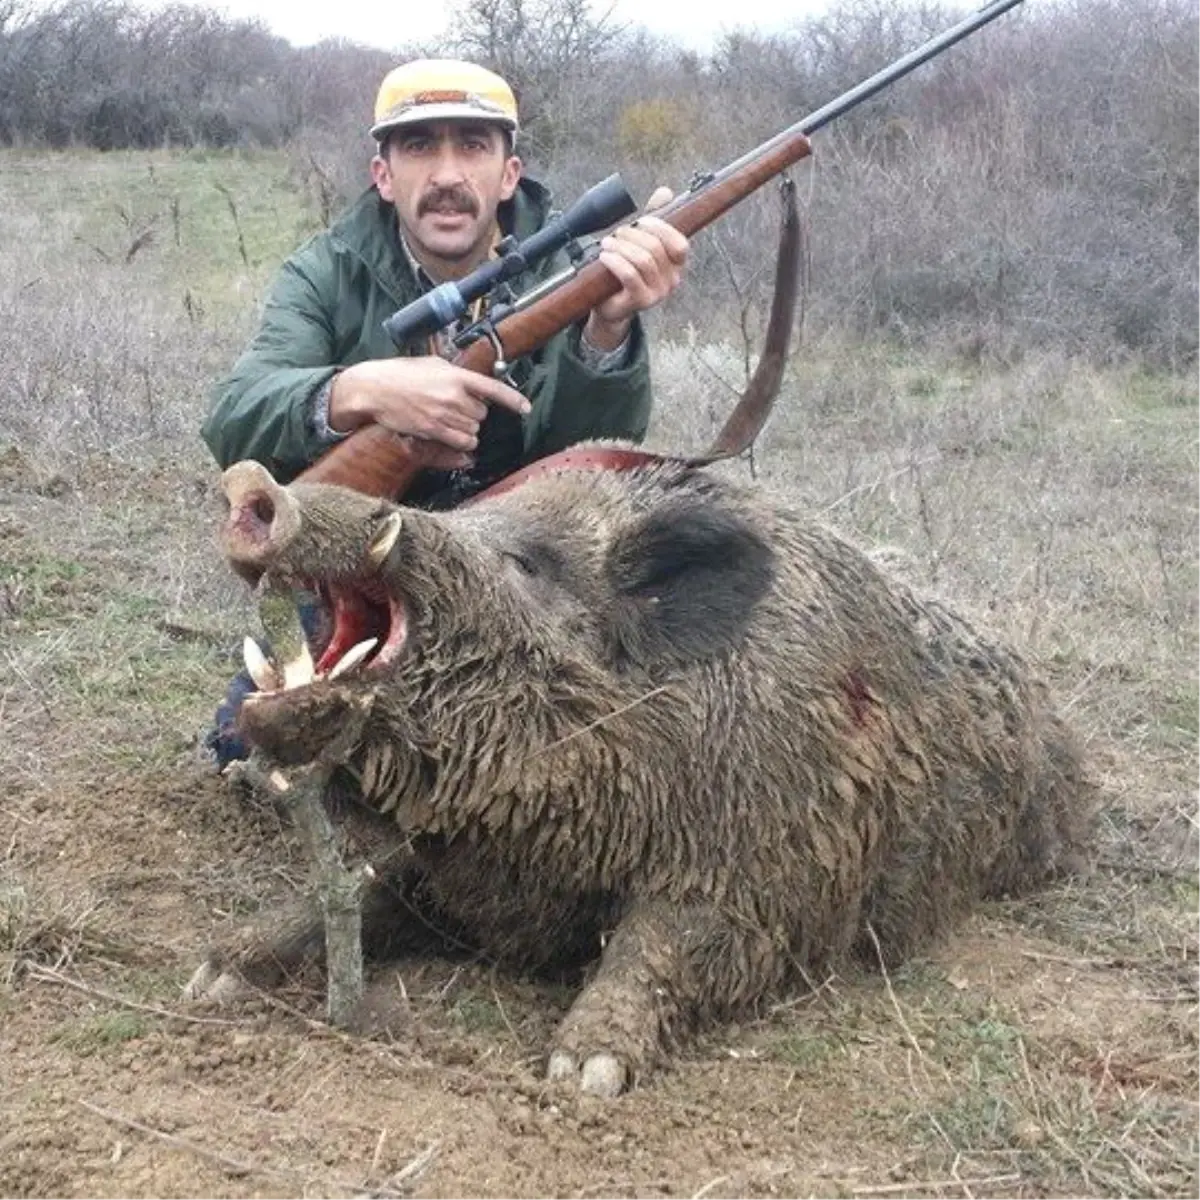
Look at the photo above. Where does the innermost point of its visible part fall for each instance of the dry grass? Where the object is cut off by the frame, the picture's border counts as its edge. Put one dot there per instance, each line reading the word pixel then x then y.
pixel 1048 1050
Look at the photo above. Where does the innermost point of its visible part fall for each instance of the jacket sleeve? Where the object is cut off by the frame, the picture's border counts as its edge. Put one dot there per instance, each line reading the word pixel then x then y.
pixel 587 403
pixel 261 409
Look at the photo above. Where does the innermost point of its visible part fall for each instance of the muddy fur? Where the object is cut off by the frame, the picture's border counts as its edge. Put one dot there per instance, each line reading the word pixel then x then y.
pixel 666 723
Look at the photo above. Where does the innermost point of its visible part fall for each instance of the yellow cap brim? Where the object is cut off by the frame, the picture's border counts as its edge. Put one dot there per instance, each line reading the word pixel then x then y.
pixel 423 114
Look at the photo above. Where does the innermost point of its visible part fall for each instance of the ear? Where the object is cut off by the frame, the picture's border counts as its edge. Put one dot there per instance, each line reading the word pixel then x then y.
pixel 381 176
pixel 510 177
pixel 686 579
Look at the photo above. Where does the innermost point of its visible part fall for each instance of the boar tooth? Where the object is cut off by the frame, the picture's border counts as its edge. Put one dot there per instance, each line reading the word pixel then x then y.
pixel 382 543
pixel 300 670
pixel 265 677
pixel 353 657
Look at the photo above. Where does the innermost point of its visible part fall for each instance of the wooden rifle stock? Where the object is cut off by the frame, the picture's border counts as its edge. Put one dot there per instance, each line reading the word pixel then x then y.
pixel 378 462
pixel 381 463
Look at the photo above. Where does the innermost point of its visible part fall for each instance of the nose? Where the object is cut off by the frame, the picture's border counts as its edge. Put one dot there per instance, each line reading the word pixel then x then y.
pixel 447 167
pixel 263 517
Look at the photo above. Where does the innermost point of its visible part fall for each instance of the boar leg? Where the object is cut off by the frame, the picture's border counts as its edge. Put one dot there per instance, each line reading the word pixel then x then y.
pixel 266 953
pixel 645 985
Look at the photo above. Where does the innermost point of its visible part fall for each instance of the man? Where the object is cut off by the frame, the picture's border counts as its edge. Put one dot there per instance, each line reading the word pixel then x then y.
pixel 447 186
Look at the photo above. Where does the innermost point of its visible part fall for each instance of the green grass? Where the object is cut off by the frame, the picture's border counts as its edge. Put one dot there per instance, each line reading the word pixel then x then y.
pixel 1152 390
pixel 104 201
pixel 805 1051
pixel 38 593
pixel 101 1033
pixel 478 1014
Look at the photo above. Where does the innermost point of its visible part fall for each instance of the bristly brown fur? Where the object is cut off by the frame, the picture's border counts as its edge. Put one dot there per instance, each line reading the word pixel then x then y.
pixel 666 722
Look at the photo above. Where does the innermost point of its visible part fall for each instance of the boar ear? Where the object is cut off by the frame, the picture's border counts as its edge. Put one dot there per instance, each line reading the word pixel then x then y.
pixel 686 579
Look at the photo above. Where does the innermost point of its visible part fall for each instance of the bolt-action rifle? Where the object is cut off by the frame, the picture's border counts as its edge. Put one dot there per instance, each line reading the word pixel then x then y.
pixel 379 462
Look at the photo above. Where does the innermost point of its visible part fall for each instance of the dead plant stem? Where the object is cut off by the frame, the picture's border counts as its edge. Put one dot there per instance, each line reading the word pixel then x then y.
pixel 49 975
pixel 911 1188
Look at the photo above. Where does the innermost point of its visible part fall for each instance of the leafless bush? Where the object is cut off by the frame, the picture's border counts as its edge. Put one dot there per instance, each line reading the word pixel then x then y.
pixel 1035 186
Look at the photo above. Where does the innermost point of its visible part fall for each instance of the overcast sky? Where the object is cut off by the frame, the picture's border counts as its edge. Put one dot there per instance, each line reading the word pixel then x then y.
pixel 388 23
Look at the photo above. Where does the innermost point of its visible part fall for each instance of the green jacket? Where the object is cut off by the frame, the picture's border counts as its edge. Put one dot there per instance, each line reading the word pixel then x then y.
pixel 325 311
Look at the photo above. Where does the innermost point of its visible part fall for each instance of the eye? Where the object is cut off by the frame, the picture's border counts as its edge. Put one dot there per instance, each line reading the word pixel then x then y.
pixel 522 564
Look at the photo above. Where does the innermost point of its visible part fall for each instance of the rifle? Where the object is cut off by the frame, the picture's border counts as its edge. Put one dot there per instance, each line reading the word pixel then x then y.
pixel 379 462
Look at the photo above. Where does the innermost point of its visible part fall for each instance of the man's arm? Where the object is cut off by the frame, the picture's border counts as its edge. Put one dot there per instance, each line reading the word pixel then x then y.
pixel 261 410
pixel 595 397
pixel 588 402
pixel 265 408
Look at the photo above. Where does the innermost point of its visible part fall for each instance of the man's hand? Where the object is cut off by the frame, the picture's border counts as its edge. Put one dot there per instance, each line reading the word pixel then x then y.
pixel 648 258
pixel 425 398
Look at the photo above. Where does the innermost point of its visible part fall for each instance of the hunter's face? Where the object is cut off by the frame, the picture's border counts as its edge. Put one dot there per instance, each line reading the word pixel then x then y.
pixel 446 180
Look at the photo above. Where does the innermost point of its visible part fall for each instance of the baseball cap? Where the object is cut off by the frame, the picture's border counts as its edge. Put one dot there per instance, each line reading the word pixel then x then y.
pixel 442 89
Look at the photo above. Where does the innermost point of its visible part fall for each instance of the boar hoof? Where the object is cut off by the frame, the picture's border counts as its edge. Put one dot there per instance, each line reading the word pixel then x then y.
pixel 602 1075
pixel 562 1067
pixel 213 984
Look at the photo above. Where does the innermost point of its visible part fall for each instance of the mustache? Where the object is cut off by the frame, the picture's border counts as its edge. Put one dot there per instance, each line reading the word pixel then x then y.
pixel 452 199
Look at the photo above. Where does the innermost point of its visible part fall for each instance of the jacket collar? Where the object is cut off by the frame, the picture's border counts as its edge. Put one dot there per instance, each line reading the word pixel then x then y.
pixel 368 230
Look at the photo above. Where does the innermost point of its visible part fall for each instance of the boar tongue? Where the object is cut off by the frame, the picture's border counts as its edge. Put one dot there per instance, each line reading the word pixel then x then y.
pixel 355 620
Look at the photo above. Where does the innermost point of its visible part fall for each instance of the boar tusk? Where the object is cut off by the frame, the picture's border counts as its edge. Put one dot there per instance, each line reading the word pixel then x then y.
pixel 300 670
pixel 353 657
pixel 382 543
pixel 265 677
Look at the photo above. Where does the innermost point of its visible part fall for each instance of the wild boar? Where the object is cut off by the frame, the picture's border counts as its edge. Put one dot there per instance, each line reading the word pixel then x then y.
pixel 656 721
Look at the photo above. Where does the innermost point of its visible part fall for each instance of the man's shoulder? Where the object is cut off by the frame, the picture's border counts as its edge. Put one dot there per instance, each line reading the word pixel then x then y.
pixel 361 239
pixel 361 227
pixel 532 205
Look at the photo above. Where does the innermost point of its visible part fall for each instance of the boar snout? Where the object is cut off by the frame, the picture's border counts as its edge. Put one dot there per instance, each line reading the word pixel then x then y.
pixel 263 516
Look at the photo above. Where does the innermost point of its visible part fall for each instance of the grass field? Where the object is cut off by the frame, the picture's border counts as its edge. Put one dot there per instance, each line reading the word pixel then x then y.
pixel 1048 1048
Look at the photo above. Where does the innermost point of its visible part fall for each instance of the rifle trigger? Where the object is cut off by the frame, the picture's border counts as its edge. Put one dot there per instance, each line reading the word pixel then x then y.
pixel 501 366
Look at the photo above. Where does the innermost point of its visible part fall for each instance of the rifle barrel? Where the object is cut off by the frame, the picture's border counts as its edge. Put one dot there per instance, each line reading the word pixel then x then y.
pixel 865 90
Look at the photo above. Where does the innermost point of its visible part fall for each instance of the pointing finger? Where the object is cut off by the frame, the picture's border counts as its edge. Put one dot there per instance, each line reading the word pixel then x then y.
pixel 499 393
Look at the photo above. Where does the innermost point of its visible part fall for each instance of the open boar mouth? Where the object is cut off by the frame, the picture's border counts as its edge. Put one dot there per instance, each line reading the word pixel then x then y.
pixel 368 626
pixel 369 631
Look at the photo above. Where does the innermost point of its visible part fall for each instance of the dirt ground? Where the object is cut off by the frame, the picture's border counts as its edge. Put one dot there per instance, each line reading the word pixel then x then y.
pixel 1048 1048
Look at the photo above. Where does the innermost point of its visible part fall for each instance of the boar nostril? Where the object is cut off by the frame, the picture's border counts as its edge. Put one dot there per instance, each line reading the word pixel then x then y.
pixel 263 508
pixel 251 522
pixel 263 517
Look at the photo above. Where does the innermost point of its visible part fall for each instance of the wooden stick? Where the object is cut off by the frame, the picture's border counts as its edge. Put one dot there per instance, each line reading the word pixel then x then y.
pixel 340 889
pixel 224 1161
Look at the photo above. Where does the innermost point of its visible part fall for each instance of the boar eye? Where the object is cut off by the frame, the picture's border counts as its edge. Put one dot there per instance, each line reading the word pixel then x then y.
pixel 523 564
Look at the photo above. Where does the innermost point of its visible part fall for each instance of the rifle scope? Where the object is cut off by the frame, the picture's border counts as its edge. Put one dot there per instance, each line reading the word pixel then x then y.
pixel 596 209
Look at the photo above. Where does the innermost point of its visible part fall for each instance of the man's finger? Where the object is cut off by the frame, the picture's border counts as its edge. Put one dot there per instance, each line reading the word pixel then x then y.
pixel 470 408
pixel 627 274
pixel 454 438
pixel 496 392
pixel 636 248
pixel 647 251
pixel 659 197
pixel 672 241
pixel 453 419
